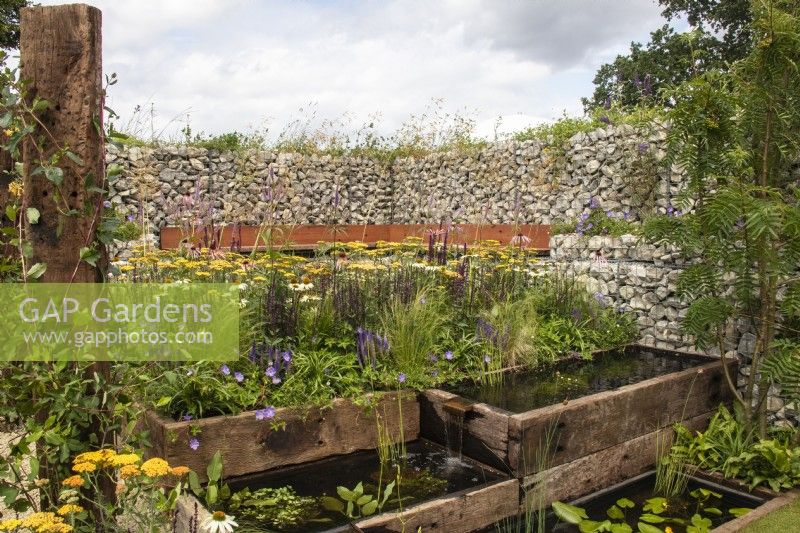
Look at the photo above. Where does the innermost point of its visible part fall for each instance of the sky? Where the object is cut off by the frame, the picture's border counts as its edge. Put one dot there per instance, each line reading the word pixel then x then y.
pixel 270 65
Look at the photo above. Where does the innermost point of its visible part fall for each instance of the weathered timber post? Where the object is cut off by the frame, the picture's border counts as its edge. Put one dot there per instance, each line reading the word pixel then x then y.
pixel 61 58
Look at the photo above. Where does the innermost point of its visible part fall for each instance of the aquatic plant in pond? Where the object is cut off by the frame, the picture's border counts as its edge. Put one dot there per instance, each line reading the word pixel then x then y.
pixel 279 508
pixel 698 512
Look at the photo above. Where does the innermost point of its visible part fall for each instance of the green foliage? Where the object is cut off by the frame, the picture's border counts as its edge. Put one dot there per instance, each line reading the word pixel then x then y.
pixel 695 518
pixel 215 492
pixel 9 22
pixel 355 503
pixel 279 508
pixel 722 34
pixel 414 329
pixel 729 448
pixel 737 135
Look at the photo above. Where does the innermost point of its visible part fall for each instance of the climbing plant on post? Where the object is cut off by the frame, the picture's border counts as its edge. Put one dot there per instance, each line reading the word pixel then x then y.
pixel 64 166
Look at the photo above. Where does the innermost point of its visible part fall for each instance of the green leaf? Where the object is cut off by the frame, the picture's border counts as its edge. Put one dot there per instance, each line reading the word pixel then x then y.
pixel 652 518
pixel 33 215
pixel 363 499
pixel 655 505
pixel 345 494
pixel 211 494
pixel 592 526
pixel 359 489
pixel 621 528
pixel 332 504
pixel 90 255
pixel 40 105
pixel 5 119
pixel 713 511
pixel 625 503
pixel 369 508
pixel 36 271
pixel 214 469
pixel 739 511
pixel 647 528
pixel 569 513
pixel 54 175
pixel 387 492
pixel 11 212
pixel 74 158
pixel 615 513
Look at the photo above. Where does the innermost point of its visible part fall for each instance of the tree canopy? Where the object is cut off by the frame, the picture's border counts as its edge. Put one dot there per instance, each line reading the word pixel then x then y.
pixel 722 34
pixel 9 22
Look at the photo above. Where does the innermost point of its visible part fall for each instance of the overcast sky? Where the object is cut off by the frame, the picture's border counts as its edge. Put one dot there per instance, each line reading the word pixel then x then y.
pixel 250 64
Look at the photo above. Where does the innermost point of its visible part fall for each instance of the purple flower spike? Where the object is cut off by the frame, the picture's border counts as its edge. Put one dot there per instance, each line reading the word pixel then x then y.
pixel 239 376
pixel 433 358
pixel 194 443
pixel 186 418
pixel 225 369
pixel 287 356
pixel 401 378
pixel 487 359
pixel 270 372
pixel 276 380
pixel 448 355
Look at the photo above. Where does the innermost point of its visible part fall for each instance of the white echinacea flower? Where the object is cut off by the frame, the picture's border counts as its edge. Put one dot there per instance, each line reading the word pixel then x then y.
pixel 219 522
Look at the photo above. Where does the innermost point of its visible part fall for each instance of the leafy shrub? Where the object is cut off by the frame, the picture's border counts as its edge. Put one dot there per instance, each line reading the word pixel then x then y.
pixel 729 448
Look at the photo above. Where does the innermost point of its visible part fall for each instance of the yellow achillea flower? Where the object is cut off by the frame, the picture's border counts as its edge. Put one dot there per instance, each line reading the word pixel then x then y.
pixel 99 457
pixel 180 470
pixel 155 467
pixel 84 467
pixel 15 189
pixel 129 471
pixel 10 524
pixel 73 481
pixel 70 508
pixel 45 523
pixel 125 459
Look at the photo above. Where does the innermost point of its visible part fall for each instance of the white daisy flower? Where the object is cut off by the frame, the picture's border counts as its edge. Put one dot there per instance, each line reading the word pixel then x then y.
pixel 219 522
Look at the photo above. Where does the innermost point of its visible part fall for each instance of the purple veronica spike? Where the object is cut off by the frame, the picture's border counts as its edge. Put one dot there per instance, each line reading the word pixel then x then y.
pixel 276 380
pixel 194 443
pixel 186 418
pixel 448 355
pixel 401 377
pixel 271 371
pixel 239 376
pixel 225 369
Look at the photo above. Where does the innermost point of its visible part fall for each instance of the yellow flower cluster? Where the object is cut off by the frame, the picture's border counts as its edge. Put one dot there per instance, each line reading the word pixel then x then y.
pixel 37 522
pixel 127 463
pixel 70 508
pixel 15 189
pixel 156 467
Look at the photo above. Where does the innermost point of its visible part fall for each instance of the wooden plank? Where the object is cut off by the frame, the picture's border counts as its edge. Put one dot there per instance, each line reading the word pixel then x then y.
pixel 306 236
pixel 484 433
pixel 607 467
pixel 460 512
pixel 249 445
pixel 602 420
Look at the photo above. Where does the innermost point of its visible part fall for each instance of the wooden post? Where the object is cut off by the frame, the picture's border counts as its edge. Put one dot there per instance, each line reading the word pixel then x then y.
pixel 61 58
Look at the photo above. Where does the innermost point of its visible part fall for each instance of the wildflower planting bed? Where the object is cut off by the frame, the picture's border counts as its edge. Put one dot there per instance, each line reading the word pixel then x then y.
pixel 570 444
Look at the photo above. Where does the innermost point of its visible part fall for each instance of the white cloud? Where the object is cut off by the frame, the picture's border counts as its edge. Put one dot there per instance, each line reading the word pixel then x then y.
pixel 235 63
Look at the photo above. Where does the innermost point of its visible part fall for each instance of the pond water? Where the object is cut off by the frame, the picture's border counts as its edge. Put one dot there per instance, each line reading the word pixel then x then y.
pixel 682 508
pixel 569 379
pixel 429 471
